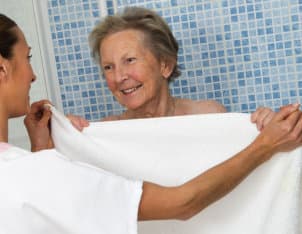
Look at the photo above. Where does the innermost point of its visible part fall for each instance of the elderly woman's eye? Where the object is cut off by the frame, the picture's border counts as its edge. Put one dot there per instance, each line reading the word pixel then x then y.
pixel 130 60
pixel 29 57
pixel 107 67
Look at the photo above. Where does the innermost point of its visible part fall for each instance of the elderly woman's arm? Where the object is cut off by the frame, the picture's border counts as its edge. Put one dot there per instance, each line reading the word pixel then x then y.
pixel 283 133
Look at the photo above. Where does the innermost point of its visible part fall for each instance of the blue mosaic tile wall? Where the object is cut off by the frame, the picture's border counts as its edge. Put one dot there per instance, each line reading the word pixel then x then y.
pixel 242 53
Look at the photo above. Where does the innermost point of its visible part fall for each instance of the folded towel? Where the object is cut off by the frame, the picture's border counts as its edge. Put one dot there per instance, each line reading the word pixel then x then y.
pixel 172 150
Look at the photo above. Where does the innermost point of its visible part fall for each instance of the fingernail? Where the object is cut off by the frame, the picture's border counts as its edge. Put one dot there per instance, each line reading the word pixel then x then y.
pixel 296 105
pixel 47 106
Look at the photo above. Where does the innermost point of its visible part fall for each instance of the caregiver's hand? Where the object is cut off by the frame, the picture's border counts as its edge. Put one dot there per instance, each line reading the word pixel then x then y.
pixel 37 123
pixel 78 122
pixel 262 116
pixel 283 132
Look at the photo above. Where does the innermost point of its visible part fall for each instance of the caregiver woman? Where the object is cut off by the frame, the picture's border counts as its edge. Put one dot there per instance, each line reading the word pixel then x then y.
pixel 283 133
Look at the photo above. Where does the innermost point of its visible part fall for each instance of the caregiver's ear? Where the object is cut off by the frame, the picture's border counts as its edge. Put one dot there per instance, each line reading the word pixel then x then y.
pixel 3 68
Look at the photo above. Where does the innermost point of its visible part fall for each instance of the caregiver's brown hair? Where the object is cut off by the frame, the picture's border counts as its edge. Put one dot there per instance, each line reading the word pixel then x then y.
pixel 8 37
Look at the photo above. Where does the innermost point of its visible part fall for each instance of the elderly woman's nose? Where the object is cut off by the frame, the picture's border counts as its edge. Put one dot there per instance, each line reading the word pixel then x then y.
pixel 121 73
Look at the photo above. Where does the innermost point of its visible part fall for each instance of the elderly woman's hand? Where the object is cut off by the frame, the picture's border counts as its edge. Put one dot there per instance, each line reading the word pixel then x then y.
pixel 78 122
pixel 37 123
pixel 284 131
pixel 262 116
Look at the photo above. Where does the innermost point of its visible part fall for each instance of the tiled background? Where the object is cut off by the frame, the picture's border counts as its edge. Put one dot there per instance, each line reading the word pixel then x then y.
pixel 242 53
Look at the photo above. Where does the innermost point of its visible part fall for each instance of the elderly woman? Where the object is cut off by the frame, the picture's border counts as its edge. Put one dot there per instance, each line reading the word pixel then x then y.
pixel 137 53
pixel 36 186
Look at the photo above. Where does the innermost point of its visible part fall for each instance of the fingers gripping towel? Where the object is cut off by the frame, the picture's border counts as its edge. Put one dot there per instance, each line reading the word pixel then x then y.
pixel 172 150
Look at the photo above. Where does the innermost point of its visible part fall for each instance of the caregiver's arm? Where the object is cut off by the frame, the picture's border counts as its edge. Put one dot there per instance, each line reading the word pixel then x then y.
pixel 283 133
pixel 37 123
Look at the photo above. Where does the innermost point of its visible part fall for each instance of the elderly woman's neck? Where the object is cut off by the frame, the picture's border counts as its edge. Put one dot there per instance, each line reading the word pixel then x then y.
pixel 164 106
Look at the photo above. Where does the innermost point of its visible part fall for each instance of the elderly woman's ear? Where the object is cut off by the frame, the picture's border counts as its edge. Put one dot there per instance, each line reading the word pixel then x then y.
pixel 167 68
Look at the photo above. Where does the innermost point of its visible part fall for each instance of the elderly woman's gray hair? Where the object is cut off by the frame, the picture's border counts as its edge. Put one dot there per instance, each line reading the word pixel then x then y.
pixel 158 37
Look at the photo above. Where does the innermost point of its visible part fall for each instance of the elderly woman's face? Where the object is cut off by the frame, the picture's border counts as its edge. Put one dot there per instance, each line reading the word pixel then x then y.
pixel 132 72
pixel 19 77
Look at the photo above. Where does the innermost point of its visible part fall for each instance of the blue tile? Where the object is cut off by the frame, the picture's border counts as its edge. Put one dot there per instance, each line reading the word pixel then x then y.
pixel 241 9
pixel 233 10
pixel 241 82
pixel 54 3
pixel 288 52
pixel 260 31
pixel 259 15
pixel 269 31
pixel 70 103
pixel 287 44
pixel 216 78
pixel 250 8
pixel 276 95
pixel 295 18
pixel 234 18
pixel 251 16
pixel 199 73
pixel 273 63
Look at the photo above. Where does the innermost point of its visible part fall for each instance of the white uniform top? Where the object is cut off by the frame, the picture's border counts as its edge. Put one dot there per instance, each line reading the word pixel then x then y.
pixel 46 193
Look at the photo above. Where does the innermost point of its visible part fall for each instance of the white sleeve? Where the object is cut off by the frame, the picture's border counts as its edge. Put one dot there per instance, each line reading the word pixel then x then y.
pixel 44 193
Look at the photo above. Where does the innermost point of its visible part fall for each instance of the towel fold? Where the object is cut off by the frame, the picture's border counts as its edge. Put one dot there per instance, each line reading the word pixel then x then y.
pixel 172 150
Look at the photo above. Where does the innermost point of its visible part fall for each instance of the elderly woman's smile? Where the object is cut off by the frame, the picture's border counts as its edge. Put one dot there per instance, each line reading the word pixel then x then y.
pixel 130 90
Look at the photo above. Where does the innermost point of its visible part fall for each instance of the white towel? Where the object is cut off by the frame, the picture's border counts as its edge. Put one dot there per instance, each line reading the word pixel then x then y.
pixel 171 150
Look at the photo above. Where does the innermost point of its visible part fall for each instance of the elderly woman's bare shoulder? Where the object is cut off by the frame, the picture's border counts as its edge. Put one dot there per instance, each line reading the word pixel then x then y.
pixel 111 118
pixel 187 106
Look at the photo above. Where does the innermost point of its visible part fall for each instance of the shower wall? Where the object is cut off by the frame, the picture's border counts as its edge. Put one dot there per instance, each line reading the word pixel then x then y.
pixel 242 53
